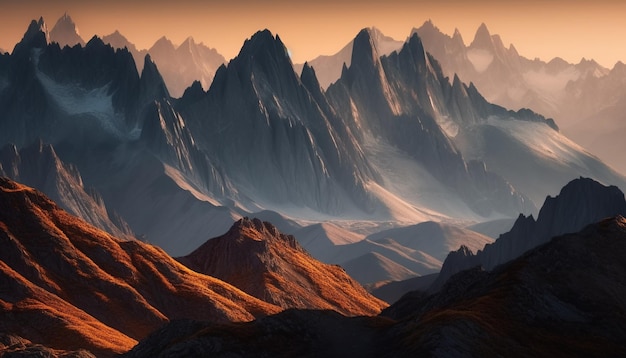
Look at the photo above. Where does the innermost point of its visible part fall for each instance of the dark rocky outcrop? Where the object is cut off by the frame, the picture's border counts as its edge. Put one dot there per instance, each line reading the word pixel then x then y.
pixel 581 202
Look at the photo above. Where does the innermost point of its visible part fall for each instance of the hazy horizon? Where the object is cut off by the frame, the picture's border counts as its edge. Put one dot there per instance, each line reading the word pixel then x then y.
pixel 567 29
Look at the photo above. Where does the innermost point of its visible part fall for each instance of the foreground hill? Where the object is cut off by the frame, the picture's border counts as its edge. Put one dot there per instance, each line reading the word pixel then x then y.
pixel 68 285
pixel 562 299
pixel 254 256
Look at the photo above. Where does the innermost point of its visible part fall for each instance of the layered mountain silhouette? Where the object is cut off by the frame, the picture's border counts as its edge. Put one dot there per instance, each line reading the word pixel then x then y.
pixel 574 94
pixel 274 268
pixel 577 95
pixel 70 286
pixel 562 298
pixel 180 65
pixel 392 142
pixel 328 67
pixel 580 202
pixel 393 254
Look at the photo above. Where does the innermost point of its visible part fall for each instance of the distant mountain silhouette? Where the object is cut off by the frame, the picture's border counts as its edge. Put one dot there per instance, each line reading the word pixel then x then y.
pixel 65 32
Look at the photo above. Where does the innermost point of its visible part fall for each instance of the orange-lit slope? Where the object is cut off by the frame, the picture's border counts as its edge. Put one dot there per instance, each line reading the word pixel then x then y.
pixel 254 256
pixel 68 285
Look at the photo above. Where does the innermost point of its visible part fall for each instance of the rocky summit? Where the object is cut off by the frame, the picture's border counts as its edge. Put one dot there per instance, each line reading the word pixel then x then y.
pixel 273 267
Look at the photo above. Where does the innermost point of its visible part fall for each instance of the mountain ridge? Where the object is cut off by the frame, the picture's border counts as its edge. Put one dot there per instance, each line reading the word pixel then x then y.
pixel 274 267
pixel 581 202
pixel 121 290
pixel 558 299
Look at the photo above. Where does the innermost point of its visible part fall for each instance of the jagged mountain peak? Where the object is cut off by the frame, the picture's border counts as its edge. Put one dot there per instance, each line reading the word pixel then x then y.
pixel 417 48
pixel 36 36
pixel 309 78
pixel 364 49
pixel 377 35
pixel 97 43
pixel 581 202
pixel 257 230
pixel 264 42
pixel 482 38
pixel 163 44
pixel 65 32
pixel 152 84
pixel 457 35
pixel 429 24
pixel 188 44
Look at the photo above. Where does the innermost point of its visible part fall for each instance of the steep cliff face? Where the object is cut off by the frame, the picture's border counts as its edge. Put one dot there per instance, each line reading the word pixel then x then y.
pixel 403 99
pixel 258 117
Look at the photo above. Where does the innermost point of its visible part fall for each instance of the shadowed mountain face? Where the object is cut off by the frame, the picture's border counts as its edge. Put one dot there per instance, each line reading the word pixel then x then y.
pixel 68 285
pixel 275 268
pixel 563 298
pixel 40 167
pixel 581 202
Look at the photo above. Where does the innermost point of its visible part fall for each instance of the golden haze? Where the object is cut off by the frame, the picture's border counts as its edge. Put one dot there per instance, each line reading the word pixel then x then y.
pixel 544 29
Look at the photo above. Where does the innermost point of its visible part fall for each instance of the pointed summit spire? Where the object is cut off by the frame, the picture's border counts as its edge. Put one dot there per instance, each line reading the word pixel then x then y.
pixel 457 37
pixel 36 36
pixel 152 86
pixel 482 39
pixel 65 32
pixel 364 51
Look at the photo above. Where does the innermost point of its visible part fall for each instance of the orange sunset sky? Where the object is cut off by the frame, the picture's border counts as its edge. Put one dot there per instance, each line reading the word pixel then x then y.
pixel 569 29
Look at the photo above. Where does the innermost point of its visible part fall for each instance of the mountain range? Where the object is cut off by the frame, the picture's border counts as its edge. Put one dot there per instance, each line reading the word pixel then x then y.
pixel 68 285
pixel 391 143
pixel 160 241
pixel 581 202
pixel 179 65
pixel 586 99
pixel 561 299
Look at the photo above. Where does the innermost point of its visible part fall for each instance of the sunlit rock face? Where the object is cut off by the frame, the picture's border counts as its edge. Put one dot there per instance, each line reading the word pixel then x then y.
pixel 274 267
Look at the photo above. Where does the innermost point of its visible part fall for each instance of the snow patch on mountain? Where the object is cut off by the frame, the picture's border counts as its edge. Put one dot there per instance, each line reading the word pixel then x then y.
pixel 96 103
